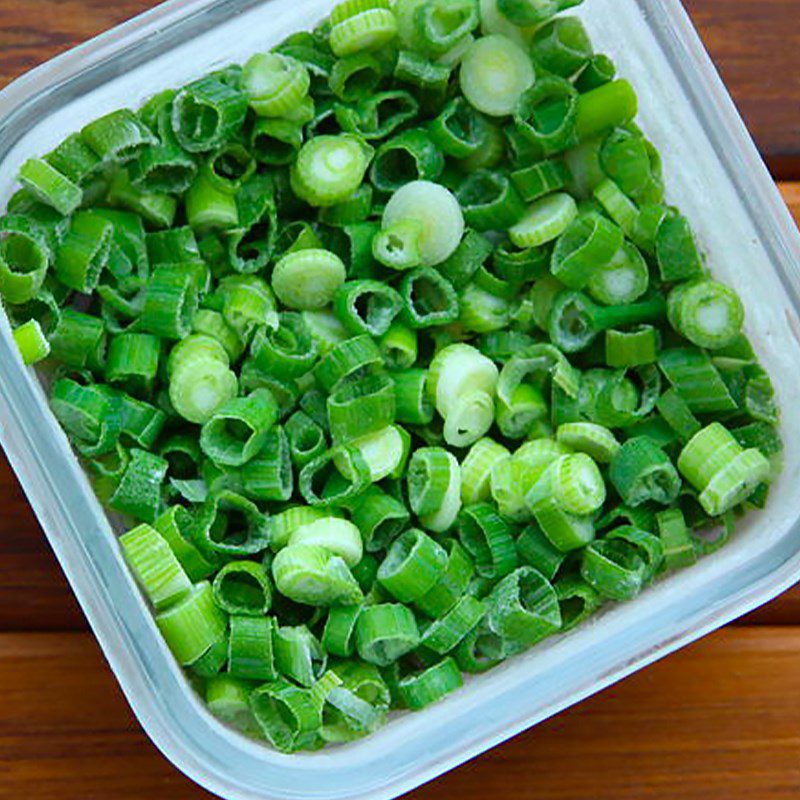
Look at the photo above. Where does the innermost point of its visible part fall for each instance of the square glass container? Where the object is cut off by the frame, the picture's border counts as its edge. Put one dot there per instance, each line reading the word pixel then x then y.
pixel 716 176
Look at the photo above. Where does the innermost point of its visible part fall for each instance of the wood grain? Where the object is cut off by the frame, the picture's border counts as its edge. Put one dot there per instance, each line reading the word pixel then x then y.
pixel 754 44
pixel 716 719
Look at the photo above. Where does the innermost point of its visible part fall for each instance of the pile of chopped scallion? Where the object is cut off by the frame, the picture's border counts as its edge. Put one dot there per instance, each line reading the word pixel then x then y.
pixel 392 352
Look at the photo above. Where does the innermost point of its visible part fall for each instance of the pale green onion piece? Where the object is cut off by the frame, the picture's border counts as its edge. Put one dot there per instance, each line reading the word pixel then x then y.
pixel 400 245
pixel 707 313
pixel 283 525
pixel 436 211
pixel 228 699
pixel 308 279
pixel 469 418
pixel 382 452
pixel 495 72
pixel 445 516
pixel 544 221
pixel 735 482
pixel 193 624
pixel 574 482
pixel 456 370
pixel 275 83
pixel 154 564
pixel 199 389
pixel 495 21
pixel 358 25
pixel 624 280
pixel 587 437
pixel 476 470
pixel 340 537
pixel 329 169
pixel 31 342
pixel 314 576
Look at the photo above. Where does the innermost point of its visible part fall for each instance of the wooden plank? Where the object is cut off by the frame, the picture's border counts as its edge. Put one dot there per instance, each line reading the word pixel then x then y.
pixel 754 45
pixel 716 719
pixel 753 42
pixel 34 595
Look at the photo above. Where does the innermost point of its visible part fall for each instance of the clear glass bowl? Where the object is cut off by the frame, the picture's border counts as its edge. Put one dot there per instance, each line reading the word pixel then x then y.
pixel 713 172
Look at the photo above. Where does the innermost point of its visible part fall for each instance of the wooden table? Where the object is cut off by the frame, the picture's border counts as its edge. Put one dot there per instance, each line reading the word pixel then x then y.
pixel 720 718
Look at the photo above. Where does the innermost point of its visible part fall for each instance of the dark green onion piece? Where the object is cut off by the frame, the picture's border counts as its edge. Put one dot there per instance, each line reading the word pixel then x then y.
pixel 588 244
pixel 49 186
pixel 79 340
pixel 243 587
pixel 561 46
pixel 287 351
pixel 575 321
pixel 459 131
pixel 380 517
pixel 84 253
pixel 24 259
pixel 357 355
pixel 642 472
pixel 577 601
pixel 487 537
pixel 546 115
pixel 695 378
pixel 490 201
pixel 306 439
pixel 367 306
pixel 676 250
pixel 139 491
pixel 230 524
pixel 132 362
pixel 523 609
pixel 361 407
pixel 429 300
pixel 430 686
pixel 409 156
pixel 385 632
pixel 268 475
pixel 206 113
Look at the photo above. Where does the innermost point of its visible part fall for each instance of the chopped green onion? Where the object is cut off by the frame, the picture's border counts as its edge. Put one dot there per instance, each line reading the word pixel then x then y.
pixel 641 472
pixel 523 609
pixel 329 169
pixel 385 632
pixel 31 342
pixel 358 25
pixel 192 625
pixel 706 313
pixel 435 212
pixel 314 576
pixel 157 569
pixel 494 74
pixel 308 279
